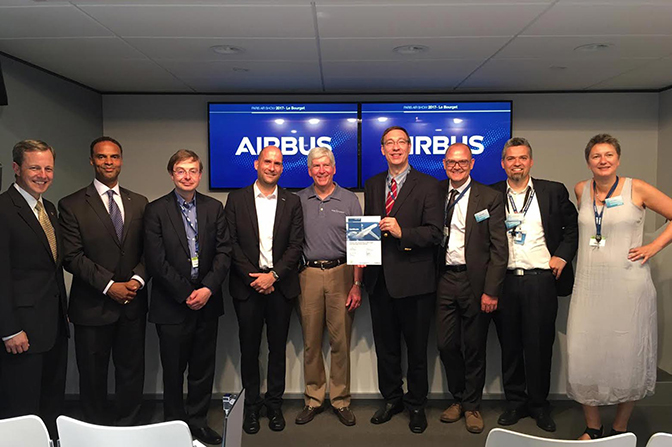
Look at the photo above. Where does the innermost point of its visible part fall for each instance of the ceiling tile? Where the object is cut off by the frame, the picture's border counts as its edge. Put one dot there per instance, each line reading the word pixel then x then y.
pixel 381 49
pixel 411 20
pixel 199 49
pixel 245 84
pixel 63 51
pixel 269 70
pixel 47 21
pixel 654 75
pixel 205 20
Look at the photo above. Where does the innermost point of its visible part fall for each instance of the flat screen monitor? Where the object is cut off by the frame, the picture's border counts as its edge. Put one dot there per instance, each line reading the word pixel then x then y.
pixel 484 126
pixel 238 132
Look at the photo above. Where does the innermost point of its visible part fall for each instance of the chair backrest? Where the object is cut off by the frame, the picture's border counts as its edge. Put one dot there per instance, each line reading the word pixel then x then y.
pixel 74 433
pixel 498 437
pixel 23 431
pixel 660 440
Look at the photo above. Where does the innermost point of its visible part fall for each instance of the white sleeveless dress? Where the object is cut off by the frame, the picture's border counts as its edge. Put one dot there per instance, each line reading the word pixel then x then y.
pixel 611 328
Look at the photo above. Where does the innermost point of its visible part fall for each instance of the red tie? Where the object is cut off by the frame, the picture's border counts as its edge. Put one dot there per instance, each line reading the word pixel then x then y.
pixel 391 197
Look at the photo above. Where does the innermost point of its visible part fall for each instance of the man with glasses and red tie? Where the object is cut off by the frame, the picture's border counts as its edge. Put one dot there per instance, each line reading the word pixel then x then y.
pixel 401 290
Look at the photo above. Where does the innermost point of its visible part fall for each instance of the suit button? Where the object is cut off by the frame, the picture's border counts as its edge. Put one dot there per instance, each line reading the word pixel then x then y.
pixel 122 253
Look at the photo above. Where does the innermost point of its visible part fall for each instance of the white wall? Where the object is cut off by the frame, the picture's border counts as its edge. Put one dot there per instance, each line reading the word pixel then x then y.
pixel 153 127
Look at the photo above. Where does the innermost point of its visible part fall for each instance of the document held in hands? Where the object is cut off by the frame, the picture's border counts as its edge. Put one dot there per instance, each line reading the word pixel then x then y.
pixel 363 240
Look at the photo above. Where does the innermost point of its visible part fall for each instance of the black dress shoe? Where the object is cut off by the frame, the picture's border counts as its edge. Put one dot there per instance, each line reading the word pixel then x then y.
pixel 251 421
pixel 386 412
pixel 276 420
pixel 512 416
pixel 544 420
pixel 308 414
pixel 418 422
pixel 346 416
pixel 206 435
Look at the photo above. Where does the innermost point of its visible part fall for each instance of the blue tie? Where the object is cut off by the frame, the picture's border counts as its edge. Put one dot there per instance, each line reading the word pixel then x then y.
pixel 115 215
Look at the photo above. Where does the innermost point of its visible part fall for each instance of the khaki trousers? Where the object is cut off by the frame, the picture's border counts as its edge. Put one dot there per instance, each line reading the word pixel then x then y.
pixel 322 300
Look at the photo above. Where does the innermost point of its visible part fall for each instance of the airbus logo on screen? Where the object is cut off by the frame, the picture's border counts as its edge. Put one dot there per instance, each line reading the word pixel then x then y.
pixel 438 144
pixel 287 145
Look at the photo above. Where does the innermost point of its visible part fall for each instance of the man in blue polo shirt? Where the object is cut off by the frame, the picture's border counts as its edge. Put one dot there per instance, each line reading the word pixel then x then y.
pixel 330 289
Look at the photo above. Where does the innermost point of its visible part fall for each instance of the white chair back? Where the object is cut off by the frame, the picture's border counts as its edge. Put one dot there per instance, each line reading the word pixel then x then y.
pixel 74 433
pixel 660 440
pixel 498 437
pixel 23 431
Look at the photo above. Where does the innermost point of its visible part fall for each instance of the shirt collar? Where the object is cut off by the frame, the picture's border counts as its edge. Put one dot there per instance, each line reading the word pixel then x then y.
pixel 335 194
pixel 260 195
pixel 461 188
pixel 28 198
pixel 511 191
pixel 182 202
pixel 102 189
pixel 399 177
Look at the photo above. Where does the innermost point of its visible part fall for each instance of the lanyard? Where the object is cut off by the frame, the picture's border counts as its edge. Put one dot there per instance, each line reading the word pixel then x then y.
pixel 191 225
pixel 598 216
pixel 529 195
pixel 457 199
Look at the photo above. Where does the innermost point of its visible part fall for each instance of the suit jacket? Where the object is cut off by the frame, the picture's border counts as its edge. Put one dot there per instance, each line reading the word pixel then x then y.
pixel 486 249
pixel 241 217
pixel 168 259
pixel 32 291
pixel 408 263
pixel 559 220
pixel 94 255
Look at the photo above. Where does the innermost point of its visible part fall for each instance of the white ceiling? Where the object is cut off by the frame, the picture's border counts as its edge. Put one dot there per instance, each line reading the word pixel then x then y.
pixel 344 45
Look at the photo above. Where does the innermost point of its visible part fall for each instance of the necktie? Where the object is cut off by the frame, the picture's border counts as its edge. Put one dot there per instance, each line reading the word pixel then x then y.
pixel 115 215
pixel 45 223
pixel 450 208
pixel 391 197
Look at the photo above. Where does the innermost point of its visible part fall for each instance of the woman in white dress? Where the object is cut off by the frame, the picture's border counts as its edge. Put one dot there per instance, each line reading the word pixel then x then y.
pixel 611 330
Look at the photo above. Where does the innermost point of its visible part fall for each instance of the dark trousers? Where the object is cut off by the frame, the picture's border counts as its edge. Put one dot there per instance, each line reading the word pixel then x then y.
pixel 391 318
pixel 125 340
pixel 275 310
pixel 192 343
pixel 525 325
pixel 462 330
pixel 34 383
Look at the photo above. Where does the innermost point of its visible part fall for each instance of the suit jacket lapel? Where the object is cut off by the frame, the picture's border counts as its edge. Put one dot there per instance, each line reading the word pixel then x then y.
pixel 252 211
pixel 202 221
pixel 175 215
pixel 279 210
pixel 409 184
pixel 128 212
pixel 544 204
pixel 472 208
pixel 29 217
pixel 96 202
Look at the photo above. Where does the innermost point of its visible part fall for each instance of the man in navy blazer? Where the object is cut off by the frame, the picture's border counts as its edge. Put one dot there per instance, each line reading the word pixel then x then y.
pixel 103 249
pixel 188 254
pixel 401 290
pixel 543 239
pixel 266 226
pixel 33 323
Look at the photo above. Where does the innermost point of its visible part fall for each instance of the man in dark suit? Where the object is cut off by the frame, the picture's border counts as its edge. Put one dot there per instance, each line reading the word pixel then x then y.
pixel 401 290
pixel 472 261
pixel 266 225
pixel 188 254
pixel 103 248
pixel 33 323
pixel 543 239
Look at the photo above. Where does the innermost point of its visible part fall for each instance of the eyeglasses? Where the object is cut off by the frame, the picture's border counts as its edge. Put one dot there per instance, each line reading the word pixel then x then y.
pixel 391 143
pixel 183 172
pixel 452 163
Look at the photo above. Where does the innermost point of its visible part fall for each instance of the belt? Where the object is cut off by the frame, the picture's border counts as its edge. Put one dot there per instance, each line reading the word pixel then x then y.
pixel 326 265
pixel 455 268
pixel 523 272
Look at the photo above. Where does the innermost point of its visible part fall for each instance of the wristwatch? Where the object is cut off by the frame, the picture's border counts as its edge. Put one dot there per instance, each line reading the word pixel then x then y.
pixel 358 283
pixel 275 275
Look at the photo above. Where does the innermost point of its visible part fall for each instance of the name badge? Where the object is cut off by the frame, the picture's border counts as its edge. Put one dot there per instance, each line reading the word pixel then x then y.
pixel 594 242
pixel 194 262
pixel 614 201
pixel 519 238
pixel 482 215
pixel 513 220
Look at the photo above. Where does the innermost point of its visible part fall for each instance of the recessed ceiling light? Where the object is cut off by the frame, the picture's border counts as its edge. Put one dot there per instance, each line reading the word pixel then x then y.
pixel 411 49
pixel 240 69
pixel 593 47
pixel 227 49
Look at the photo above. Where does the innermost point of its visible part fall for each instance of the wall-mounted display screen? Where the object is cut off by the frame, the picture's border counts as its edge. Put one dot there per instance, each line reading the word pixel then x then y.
pixel 484 126
pixel 238 132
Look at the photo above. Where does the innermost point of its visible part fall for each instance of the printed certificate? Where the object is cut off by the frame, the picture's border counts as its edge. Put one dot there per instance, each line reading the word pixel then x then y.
pixel 363 240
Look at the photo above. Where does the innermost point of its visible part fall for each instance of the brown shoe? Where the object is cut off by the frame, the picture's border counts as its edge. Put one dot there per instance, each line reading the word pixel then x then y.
pixel 307 414
pixel 474 421
pixel 346 416
pixel 452 413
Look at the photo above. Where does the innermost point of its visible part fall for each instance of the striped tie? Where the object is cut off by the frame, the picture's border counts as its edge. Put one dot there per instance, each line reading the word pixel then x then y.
pixel 45 223
pixel 115 215
pixel 391 197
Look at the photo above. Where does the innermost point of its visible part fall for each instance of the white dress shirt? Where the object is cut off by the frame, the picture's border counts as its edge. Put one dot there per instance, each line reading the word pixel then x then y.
pixel 458 225
pixel 533 254
pixel 266 206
